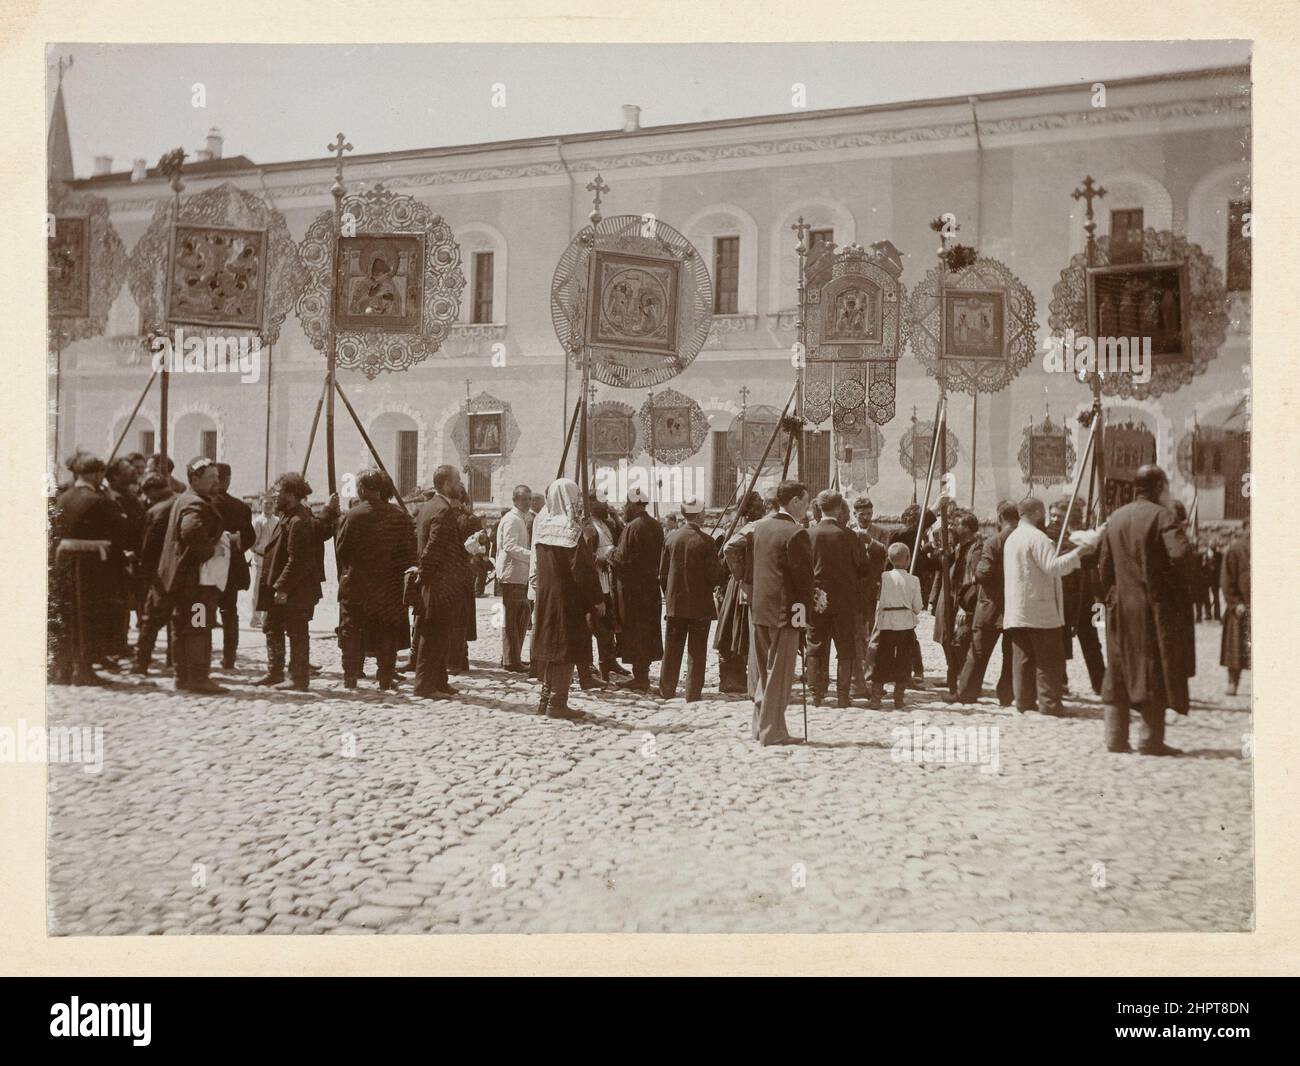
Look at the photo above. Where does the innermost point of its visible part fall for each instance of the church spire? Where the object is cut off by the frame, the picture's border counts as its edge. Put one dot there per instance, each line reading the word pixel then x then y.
pixel 58 144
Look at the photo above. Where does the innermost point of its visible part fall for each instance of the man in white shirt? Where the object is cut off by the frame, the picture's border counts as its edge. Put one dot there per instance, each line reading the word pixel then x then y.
pixel 513 552
pixel 1033 611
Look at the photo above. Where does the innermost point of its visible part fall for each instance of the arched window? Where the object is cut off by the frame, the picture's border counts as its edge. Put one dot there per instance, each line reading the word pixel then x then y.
pixel 727 237
pixel 396 437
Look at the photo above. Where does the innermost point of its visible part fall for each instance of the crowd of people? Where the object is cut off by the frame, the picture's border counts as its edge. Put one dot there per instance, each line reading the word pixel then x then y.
pixel 797 576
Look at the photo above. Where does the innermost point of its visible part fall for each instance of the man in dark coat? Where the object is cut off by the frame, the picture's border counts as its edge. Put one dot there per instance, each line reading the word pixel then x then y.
pixel 122 485
pixel 635 561
pixel 839 565
pixel 446 578
pixel 1234 649
pixel 782 601
pixel 374 546
pixel 237 520
pixel 157 610
pixel 987 623
pixel 1143 555
pixel 85 522
pixel 292 571
pixel 872 538
pixel 689 573
pixel 1079 592
pixel 959 595
pixel 731 637
pixel 1212 565
pixel 194 536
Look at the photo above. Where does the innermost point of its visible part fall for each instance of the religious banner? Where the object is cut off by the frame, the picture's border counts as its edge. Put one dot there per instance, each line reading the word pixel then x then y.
pixel 634 296
pixel 1146 327
pixel 485 432
pixel 858 446
pixel 224 263
pixel 1046 454
pixel 855 331
pixel 673 427
pixel 613 431
pixel 973 328
pixel 85 266
pixel 914 450
pixel 1125 447
pixel 1207 455
pixel 748 437
pixel 389 286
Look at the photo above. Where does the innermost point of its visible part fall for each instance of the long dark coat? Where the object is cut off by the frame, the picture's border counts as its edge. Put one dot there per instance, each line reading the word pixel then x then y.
pixel 689 572
pixel 566 588
pixel 193 529
pixel 294 563
pixel 1234 650
pixel 237 518
pixel 373 546
pixel 636 562
pixel 1144 553
pixel 446 576
pixel 964 592
pixel 82 581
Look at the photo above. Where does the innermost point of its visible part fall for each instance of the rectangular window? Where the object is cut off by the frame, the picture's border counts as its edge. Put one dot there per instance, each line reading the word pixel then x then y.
pixel 408 453
pixel 209 445
pixel 1238 246
pixel 724 472
pixel 480 485
pixel 1126 236
pixel 147 442
pixel 482 287
pixel 726 275
pixel 815 460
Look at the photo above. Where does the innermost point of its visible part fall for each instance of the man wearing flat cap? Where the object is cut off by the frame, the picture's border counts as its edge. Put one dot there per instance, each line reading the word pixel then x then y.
pixel 689 572
pixel 636 563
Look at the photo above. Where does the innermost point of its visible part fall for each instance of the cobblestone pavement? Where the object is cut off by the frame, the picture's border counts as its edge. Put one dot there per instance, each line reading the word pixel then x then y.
pixel 337 812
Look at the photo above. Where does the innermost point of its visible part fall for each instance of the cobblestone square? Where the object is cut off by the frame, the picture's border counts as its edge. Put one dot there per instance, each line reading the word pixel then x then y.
pixel 363 812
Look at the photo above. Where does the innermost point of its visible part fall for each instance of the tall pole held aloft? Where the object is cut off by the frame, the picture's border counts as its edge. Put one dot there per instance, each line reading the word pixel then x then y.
pixel 654 465
pixel 1088 193
pixel 940 418
pixel 801 230
pixel 337 190
pixel 753 478
pixel 164 379
pixel 266 452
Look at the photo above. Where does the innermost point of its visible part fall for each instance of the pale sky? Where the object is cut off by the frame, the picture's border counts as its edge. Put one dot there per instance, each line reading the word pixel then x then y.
pixel 284 102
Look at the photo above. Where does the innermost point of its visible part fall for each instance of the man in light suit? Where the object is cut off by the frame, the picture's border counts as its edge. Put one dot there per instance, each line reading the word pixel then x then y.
pixel 1034 609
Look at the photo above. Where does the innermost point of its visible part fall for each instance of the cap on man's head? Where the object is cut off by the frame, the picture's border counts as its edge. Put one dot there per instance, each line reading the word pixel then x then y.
pixel 636 494
pixel 692 506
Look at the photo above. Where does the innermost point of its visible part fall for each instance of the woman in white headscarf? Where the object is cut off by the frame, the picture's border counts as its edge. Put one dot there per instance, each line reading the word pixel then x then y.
pixel 564 585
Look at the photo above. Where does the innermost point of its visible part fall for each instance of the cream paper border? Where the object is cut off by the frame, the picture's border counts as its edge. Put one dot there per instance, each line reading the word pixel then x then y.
pixel 1274 948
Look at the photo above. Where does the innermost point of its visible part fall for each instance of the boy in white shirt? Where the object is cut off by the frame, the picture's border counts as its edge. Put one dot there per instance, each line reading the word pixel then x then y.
pixel 897 610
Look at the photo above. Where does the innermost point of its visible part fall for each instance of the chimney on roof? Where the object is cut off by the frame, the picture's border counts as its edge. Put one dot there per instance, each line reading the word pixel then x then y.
pixel 631 118
pixel 139 169
pixel 103 165
pixel 214 143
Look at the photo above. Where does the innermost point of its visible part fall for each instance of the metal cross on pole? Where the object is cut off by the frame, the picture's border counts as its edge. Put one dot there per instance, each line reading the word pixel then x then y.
pixel 598 187
pixel 1089 192
pixel 337 190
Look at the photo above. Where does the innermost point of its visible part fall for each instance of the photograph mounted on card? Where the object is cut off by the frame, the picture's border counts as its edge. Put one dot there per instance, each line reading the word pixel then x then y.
pixel 1143 302
pixel 633 302
pixel 216 276
pixel 68 267
pixel 380 283
pixel 485 434
pixel 973 324
pixel 852 311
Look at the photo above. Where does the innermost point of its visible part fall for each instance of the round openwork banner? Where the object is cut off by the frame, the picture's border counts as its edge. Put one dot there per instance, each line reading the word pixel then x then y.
pixel 746 448
pixel 613 431
pixel 914 450
pixel 1174 297
pixel 673 427
pixel 228 265
pixel 86 265
pixel 636 296
pixel 485 432
pixel 394 294
pixel 974 329
pixel 1046 454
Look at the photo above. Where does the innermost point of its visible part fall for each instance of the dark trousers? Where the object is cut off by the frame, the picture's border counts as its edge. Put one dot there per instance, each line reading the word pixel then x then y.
pixel 1214 599
pixel 229 604
pixel 955 653
pixel 357 635
pixel 192 617
pixel 1090 645
pixel 156 614
pixel 691 635
pixel 431 663
pixel 823 631
pixel 606 642
pixel 1151 731
pixel 971 680
pixel 514 598
pixel 893 658
pixel 1037 667
pixel 282 621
